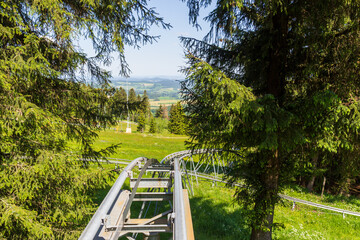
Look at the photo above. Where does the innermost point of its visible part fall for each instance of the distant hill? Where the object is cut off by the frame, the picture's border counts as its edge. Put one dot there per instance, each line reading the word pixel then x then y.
pixel 156 88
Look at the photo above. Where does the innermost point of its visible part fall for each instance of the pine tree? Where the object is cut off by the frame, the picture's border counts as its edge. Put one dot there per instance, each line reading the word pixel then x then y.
pixel 177 119
pixel 159 112
pixel 119 103
pixel 145 105
pixel 132 98
pixel 44 103
pixel 133 104
pixel 271 79
pixel 162 112
pixel 141 122
pixel 152 125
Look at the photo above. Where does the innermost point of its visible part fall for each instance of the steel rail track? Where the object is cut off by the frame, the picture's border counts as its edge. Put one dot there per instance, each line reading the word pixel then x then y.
pixel 95 223
pixel 112 219
pixel 186 153
pixel 178 214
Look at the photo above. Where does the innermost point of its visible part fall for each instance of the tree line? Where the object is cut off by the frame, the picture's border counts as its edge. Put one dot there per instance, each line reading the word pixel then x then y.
pixel 167 118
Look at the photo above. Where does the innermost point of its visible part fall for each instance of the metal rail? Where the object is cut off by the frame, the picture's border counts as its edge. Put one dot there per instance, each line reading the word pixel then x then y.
pixel 108 160
pixel 320 205
pixel 179 210
pixel 178 215
pixel 95 224
pixel 112 219
pixel 187 153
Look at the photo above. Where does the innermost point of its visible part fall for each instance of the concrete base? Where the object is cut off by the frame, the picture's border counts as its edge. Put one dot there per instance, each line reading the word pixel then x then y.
pixel 128 130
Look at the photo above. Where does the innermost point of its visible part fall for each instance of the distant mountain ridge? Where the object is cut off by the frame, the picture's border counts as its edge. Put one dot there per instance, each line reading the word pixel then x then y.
pixel 146 79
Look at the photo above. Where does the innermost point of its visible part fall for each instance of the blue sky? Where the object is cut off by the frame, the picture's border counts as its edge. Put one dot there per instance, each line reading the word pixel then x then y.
pixel 165 57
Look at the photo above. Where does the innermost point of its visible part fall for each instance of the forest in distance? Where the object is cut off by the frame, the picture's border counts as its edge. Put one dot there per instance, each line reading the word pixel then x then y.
pixel 157 88
pixel 274 84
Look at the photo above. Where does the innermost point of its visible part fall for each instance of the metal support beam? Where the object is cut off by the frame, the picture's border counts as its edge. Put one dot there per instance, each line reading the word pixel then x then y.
pixel 188 219
pixel 146 228
pixel 128 205
pixel 114 218
pixel 159 168
pixel 152 183
pixel 153 196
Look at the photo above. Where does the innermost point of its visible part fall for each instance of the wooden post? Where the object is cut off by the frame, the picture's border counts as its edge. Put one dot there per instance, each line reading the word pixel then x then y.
pixel 323 187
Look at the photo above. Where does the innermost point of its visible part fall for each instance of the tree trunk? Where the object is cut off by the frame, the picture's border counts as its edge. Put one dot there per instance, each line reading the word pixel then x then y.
pixel 265 205
pixel 310 185
pixel 260 234
pixel 275 85
pixel 278 56
pixel 323 187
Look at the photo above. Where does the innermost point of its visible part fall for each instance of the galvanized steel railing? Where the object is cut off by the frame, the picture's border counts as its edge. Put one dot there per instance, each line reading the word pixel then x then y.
pixel 179 210
pixel 182 154
pixel 95 224
pixel 178 214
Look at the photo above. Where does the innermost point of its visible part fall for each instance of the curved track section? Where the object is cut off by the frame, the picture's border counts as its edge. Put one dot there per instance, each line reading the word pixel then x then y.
pixel 212 158
pixel 113 219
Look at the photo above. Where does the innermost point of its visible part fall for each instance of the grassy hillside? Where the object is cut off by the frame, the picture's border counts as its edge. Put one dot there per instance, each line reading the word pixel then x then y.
pixel 140 144
pixel 214 214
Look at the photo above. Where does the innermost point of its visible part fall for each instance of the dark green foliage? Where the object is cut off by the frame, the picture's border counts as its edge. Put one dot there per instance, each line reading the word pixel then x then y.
pixel 48 197
pixel 145 105
pixel 275 82
pixel 119 103
pixel 45 103
pixel 162 112
pixel 132 96
pixel 159 111
pixel 152 125
pixel 141 122
pixel 177 119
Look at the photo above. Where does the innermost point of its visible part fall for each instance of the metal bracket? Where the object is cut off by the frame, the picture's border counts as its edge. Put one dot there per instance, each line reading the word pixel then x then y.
pixel 106 221
pixel 111 228
pixel 130 174
pixel 172 217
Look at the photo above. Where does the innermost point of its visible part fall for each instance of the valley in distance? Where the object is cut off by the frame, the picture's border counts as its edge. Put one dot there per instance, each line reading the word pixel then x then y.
pixel 160 90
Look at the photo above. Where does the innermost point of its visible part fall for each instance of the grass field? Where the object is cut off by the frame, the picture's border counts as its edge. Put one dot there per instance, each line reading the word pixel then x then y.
pixel 214 214
pixel 140 144
pixel 166 102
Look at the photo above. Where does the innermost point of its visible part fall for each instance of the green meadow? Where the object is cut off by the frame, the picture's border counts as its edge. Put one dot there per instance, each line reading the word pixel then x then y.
pixel 214 213
pixel 135 144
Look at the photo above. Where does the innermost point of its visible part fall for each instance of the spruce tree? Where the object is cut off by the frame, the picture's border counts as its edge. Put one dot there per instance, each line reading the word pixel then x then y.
pixel 159 112
pixel 45 192
pixel 119 102
pixel 270 80
pixel 145 105
pixel 177 123
pixel 162 112
pixel 141 122
pixel 152 125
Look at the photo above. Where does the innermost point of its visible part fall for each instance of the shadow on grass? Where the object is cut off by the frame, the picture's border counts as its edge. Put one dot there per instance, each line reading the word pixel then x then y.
pixel 212 221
